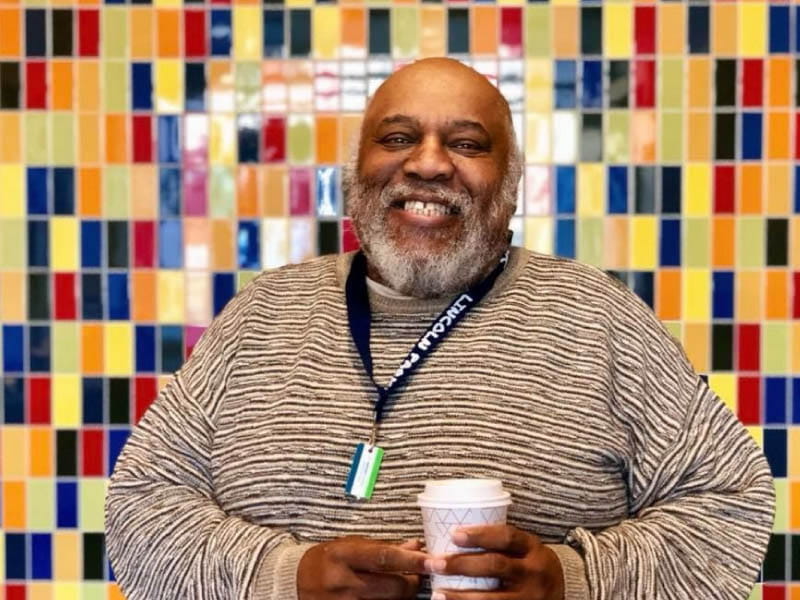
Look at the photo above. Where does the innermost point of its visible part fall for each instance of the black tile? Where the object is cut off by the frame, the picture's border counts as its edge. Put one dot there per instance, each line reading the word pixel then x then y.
pixel 62 32
pixel 591 137
pixel 119 401
pixel 13 400
pixel 795 543
pixel 35 36
pixel 671 190
pixel 300 32
pixel 171 348
pixel 591 30
pixel 38 243
pixel 379 31
pixel 458 31
pixel 645 190
pixel 725 136
pixel 117 240
pixel 777 242
pixel 722 347
pixel 725 82
pixel 248 130
pixel 195 88
pixel 91 296
pixel 699 26
pixel 64 191
pixel 618 83
pixel 9 85
pixel 66 453
pixel 38 296
pixel 642 284
pixel 93 556
pixel 328 237
pixel 39 348
pixel 774 567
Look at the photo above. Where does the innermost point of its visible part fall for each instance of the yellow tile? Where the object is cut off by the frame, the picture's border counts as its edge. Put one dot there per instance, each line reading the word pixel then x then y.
pixel 779 185
pixel 12 296
pixel 118 346
pixel 222 140
pixel 539 234
pixel 66 550
pixel 794 452
pixel 537 138
pixel 539 81
pixel 247 38
pixel 169 86
pixel 13 450
pixel 10 148
pixel 591 190
pixel 327 28
pixel 88 77
pixel 66 590
pixel 696 343
pixel 167 3
pixel 757 433
pixel 66 400
pixel 644 242
pixel 697 295
pixel 748 296
pixel 752 28
pixel 618 30
pixel 795 349
pixel 171 296
pixel 64 244
pixel 724 385
pixel 697 186
pixel 12 196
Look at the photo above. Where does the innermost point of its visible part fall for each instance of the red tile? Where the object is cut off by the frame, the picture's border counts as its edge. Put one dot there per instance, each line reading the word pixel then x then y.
pixel 15 592
pixel 144 243
pixel 142 138
pixel 299 192
pixel 753 82
pixel 66 290
pixel 645 18
pixel 145 391
pixel 749 404
pixel 88 32
pixel 748 347
pixel 796 295
pixel 511 32
pixel 39 405
pixel 92 452
pixel 724 189
pixel 773 591
pixel 645 81
pixel 36 84
pixel 797 135
pixel 194 33
pixel 349 237
pixel 274 136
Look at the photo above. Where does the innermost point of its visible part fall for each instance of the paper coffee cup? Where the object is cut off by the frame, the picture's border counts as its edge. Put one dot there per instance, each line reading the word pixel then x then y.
pixel 452 503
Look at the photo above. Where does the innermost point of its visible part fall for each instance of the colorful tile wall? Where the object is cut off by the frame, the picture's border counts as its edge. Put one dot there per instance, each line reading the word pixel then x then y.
pixel 154 156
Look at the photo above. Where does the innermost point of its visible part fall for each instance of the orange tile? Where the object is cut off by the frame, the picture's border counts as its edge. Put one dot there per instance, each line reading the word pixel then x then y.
pixel 41 447
pixel 750 194
pixel 247 191
pixel 89 186
pixel 779 82
pixel 696 342
pixel 643 136
pixel 779 185
pixel 89 2
pixel 699 143
pixel 222 256
pixel 114 593
pixel 144 296
pixel 723 247
pixel 10 41
pixel 778 128
pixel 61 84
pixel 144 181
pixel 88 76
pixel 725 28
pixel 13 505
pixel 12 296
pixel 431 40
pixel 116 139
pixel 141 38
pixel 566 24
pixel 794 242
pixel 748 296
pixel 700 78
pixel 327 139
pixel 671 28
pixel 169 36
pixel 484 29
pixel 616 246
pixel 89 138
pixel 794 591
pixel 668 288
pixel 778 292
pixel 794 504
pixel 92 348
pixel 274 192
pixel 10 150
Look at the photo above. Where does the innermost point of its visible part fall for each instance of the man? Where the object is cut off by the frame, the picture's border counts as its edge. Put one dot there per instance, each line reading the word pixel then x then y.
pixel 630 479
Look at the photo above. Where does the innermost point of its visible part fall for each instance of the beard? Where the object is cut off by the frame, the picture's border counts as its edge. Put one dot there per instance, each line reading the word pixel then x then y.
pixel 415 269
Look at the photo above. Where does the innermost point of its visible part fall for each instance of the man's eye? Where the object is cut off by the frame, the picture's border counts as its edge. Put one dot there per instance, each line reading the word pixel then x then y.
pixel 396 140
pixel 466 145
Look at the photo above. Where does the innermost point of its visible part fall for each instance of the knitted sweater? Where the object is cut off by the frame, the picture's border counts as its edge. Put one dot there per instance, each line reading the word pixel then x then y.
pixel 561 383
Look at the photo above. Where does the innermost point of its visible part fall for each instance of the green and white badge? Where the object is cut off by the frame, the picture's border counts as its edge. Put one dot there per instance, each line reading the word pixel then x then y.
pixel 364 471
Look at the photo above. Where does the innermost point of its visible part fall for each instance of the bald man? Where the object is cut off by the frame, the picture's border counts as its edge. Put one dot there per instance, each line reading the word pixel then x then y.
pixel 452 355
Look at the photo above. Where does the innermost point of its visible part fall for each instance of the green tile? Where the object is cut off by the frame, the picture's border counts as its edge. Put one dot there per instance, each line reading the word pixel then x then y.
pixel 245 277
pixel 115 32
pixel 248 87
pixel 750 242
pixel 781 524
pixel 301 140
pixel 94 591
pixel 63 128
pixel 671 72
pixel 696 243
pixel 671 138
pixel 221 192
pixel 36 148
pixel 617 138
pixel 405 31
pixel 13 242
pixel 590 241
pixel 41 505
pixel 537 24
pixel 775 348
pixel 92 498
pixel 115 80
pixel 115 192
pixel 65 341
pixel 755 593
pixel 675 329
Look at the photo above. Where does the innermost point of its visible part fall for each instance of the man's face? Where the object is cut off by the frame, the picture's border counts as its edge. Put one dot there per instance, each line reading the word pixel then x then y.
pixel 430 196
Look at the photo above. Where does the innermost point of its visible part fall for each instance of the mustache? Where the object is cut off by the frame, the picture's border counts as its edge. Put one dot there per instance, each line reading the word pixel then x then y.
pixel 435 191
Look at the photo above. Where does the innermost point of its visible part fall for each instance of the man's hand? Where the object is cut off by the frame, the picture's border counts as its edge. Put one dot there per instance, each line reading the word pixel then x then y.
pixel 528 569
pixel 355 568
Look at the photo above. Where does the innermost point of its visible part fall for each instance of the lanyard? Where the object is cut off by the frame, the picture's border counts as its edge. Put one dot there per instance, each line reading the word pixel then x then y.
pixel 359 317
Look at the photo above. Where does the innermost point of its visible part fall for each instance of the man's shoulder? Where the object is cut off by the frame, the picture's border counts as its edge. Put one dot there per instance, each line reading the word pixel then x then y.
pixel 318 271
pixel 571 274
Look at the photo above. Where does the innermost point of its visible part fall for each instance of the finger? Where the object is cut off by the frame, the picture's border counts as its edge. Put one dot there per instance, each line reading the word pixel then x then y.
pixel 474 595
pixel 500 538
pixel 480 564
pixel 411 545
pixel 381 558
pixel 387 586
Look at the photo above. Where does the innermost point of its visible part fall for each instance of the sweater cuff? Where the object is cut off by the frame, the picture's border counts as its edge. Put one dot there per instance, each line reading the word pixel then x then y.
pixel 277 575
pixel 575 585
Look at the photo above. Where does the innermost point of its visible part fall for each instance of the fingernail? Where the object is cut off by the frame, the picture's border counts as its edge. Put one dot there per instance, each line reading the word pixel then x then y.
pixel 435 565
pixel 460 538
pixel 438 596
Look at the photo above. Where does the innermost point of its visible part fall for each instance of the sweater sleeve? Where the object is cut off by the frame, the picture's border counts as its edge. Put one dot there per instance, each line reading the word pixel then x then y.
pixel 701 497
pixel 166 535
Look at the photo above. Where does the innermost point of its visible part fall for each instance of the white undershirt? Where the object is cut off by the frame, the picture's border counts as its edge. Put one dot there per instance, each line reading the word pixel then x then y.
pixel 385 291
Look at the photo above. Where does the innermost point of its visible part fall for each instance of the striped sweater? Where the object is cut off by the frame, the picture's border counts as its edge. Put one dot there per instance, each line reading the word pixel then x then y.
pixel 562 383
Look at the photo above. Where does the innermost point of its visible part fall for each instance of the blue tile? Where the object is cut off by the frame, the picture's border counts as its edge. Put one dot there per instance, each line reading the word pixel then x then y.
pixel 64 191
pixel 723 294
pixel 13 348
pixel 41 556
pixel 145 349
pixel 13 400
pixel 670 243
pixel 775 400
pixel 751 136
pixel 16 554
pixel 221 32
pixel 38 185
pixel 565 83
pixel 195 86
pixel 92 400
pixel 116 441
pixel 642 285
pixel 775 450
pixel 224 289
pixel 169 191
pixel 91 244
pixel 39 348
pixel 565 190
pixel 699 26
pixel 779 28
pixel 796 400
pixel 617 190
pixel 171 348
pixel 38 243
pixel 797 190
pixel 797 28
pixel 592 94
pixel 170 249
pixel 274 34
pixel 565 238
pixel 169 139
pixel 248 129
pixel 247 241
pixel 142 88
pixel 66 504
pixel 328 192
pixel 118 297
pixel 91 296
pixel 671 190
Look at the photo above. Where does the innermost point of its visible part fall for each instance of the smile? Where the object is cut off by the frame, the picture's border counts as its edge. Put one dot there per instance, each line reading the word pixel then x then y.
pixel 427 209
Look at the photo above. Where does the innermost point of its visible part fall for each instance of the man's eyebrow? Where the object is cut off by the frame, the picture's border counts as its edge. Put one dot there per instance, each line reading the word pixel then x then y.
pixel 467 124
pixel 400 120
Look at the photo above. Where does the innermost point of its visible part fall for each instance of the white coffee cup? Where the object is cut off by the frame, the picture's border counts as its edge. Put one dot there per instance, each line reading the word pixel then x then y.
pixel 449 504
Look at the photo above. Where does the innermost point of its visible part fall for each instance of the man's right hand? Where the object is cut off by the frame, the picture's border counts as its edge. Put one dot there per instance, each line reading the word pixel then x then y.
pixel 356 568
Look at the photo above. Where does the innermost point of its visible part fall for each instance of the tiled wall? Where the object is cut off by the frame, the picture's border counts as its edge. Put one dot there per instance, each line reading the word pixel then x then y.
pixel 153 157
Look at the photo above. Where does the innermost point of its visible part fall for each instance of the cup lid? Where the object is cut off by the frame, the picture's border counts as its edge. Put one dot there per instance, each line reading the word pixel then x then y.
pixel 464 491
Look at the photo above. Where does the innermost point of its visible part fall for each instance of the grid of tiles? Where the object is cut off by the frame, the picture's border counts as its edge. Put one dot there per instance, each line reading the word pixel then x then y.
pixel 154 156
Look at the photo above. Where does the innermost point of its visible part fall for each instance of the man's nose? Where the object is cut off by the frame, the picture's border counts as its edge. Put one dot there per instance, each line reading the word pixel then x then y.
pixel 429 161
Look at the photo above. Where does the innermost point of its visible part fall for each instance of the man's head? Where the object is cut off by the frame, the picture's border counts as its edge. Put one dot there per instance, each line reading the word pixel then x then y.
pixel 434 182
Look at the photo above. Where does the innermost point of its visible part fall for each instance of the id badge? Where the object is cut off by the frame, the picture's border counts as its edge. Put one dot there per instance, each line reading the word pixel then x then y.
pixel 364 471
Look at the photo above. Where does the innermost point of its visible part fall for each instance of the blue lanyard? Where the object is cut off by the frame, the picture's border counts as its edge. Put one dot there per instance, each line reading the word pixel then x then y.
pixel 359 317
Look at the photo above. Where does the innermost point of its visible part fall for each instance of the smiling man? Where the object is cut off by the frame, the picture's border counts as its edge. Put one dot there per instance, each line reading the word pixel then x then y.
pixel 451 355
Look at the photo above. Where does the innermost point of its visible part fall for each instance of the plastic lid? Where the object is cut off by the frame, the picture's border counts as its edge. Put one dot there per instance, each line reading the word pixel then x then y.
pixel 464 491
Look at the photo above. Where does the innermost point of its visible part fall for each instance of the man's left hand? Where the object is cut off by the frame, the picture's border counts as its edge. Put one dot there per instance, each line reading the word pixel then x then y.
pixel 527 569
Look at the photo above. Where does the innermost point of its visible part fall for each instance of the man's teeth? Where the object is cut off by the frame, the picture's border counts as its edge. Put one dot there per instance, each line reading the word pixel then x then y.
pixel 427 209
